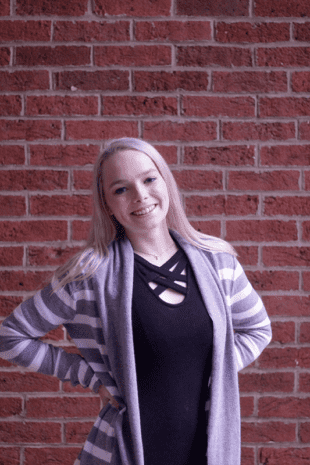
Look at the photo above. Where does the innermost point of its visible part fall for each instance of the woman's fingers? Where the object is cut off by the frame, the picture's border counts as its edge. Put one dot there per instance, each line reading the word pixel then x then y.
pixel 106 397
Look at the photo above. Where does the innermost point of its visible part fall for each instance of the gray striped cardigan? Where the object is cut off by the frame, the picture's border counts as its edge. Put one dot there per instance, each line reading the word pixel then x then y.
pixel 97 315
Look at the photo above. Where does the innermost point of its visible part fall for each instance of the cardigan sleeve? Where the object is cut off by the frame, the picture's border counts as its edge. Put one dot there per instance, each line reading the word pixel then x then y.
pixel 32 319
pixel 252 328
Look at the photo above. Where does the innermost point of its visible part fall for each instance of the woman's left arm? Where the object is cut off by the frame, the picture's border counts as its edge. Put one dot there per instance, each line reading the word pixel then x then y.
pixel 249 317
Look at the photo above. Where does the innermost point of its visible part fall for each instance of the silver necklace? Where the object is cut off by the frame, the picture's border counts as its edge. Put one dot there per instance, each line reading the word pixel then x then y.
pixel 153 255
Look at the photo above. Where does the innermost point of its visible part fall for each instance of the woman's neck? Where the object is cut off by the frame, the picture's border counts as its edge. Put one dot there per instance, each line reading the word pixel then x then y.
pixel 156 243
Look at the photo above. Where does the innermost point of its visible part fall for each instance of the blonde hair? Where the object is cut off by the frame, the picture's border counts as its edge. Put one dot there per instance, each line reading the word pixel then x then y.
pixel 105 228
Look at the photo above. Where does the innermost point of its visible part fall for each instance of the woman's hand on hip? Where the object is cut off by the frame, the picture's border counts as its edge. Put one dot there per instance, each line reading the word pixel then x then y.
pixel 106 397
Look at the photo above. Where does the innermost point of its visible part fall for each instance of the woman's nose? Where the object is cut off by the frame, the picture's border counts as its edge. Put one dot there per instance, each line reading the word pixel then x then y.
pixel 140 192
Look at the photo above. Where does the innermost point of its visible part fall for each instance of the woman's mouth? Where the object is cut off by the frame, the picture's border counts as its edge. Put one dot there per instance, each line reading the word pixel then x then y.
pixel 144 211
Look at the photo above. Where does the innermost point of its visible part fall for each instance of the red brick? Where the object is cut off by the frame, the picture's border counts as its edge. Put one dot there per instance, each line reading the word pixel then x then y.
pixel 25 31
pixel 208 56
pixel 273 431
pixel 82 180
pixel 213 8
pixel 61 205
pixel 23 280
pixel 260 231
pixel 12 155
pixel 10 406
pixel 54 335
pixel 266 382
pixel 7 304
pixel 42 230
pixel 183 131
pixel 289 206
pixel 24 80
pixel 212 228
pixel 11 256
pixel 168 152
pixel 221 205
pixel 301 31
pixel 10 105
pixel 287 106
pixel 12 205
pixel 51 456
pixel 287 305
pixel 263 180
pixel 172 30
pixel 282 8
pixel 283 332
pixel 4 7
pixel 30 432
pixel 249 81
pixel 286 407
pixel 306 230
pixel 4 56
pixel 9 455
pixel 56 7
pixel 251 32
pixel 157 81
pixel 63 155
pixel 247 406
pixel 285 357
pixel 54 256
pixel 307 180
pixel 283 56
pixel 94 80
pixel 247 255
pixel 33 180
pixel 233 155
pixel 304 382
pixel 258 131
pixel 27 382
pixel 304 335
pixel 304 432
pixel 247 455
pixel 140 55
pixel 98 130
pixel 284 456
pixel 50 407
pixel 126 105
pixel 198 179
pixel 286 256
pixel 218 106
pixel 91 31
pixel 77 432
pixel 53 56
pixel 285 155
pixel 301 81
pixel 304 130
pixel 306 281
pixel 304 357
pixel 29 129
pixel 67 387
pixel 61 105
pixel 80 230
pixel 134 8
pixel 274 280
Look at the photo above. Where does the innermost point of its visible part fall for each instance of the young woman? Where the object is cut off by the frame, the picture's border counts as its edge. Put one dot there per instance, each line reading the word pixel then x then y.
pixel 163 316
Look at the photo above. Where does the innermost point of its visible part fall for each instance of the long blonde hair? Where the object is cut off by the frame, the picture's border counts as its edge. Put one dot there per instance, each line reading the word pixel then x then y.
pixel 105 228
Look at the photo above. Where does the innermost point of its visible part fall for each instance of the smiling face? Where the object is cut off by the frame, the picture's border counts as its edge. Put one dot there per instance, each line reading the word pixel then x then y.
pixel 135 192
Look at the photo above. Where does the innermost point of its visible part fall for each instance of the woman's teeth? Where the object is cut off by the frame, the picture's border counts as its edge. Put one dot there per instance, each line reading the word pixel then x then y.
pixel 143 212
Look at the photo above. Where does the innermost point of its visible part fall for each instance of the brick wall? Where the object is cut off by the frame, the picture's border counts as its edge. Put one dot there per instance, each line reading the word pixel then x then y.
pixel 221 88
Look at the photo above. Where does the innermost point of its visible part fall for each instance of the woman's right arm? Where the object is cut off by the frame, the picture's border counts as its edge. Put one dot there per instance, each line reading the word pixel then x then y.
pixel 32 319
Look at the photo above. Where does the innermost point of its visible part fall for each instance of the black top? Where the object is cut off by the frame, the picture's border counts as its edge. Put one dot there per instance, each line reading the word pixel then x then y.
pixel 173 350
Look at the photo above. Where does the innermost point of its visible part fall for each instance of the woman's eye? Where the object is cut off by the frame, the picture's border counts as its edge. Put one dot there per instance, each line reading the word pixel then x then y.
pixel 120 190
pixel 150 180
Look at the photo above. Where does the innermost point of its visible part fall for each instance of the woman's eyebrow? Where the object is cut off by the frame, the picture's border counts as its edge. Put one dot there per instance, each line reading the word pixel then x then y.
pixel 124 180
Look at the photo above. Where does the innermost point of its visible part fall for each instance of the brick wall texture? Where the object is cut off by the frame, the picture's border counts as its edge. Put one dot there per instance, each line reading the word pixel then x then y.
pixel 220 87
